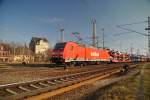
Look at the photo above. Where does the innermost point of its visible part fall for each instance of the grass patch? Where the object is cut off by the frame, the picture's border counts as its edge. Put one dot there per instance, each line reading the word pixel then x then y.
pixel 123 90
pixel 129 89
pixel 146 80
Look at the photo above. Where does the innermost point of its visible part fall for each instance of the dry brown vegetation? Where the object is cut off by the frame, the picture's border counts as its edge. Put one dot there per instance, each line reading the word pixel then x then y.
pixel 134 88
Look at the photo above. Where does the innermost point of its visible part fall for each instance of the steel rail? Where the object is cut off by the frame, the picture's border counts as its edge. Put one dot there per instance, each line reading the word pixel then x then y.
pixel 26 89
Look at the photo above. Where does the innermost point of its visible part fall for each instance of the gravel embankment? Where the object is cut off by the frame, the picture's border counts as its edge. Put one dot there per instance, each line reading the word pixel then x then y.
pixel 22 74
pixel 95 91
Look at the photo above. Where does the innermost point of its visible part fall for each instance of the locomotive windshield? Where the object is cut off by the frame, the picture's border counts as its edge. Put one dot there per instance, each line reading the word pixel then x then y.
pixel 59 46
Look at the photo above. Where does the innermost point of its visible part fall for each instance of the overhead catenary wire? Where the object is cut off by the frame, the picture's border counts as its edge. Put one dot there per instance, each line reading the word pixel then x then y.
pixel 132 31
pixel 118 34
pixel 134 23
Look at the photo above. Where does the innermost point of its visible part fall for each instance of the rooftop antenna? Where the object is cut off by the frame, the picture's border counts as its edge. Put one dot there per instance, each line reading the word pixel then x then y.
pixel 103 38
pixel 131 48
pixel 94 32
pixel 62 35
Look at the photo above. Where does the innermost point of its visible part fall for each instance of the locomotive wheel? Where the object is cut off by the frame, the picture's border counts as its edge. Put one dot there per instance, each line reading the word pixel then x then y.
pixel 97 63
pixel 72 64
pixel 85 63
pixel 81 64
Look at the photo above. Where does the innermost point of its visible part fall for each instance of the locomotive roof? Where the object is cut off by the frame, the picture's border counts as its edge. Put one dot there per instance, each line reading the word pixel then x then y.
pixel 86 45
pixel 81 44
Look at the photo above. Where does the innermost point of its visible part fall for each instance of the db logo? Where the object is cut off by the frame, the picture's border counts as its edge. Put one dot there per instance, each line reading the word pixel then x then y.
pixel 94 54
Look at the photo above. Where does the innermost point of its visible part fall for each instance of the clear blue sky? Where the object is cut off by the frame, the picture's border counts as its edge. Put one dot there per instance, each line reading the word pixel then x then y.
pixel 22 19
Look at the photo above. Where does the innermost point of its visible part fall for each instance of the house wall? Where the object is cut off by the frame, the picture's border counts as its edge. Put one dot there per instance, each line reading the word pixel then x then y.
pixel 5 56
pixel 41 47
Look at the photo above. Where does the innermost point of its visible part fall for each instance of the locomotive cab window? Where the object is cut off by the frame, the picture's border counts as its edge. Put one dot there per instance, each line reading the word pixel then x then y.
pixel 59 46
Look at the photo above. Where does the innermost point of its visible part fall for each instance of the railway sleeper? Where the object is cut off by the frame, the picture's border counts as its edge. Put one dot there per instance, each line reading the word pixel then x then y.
pixel 50 82
pixel 58 81
pixel 11 91
pixel 70 79
pixel 23 88
pixel 63 79
pixel 32 85
pixel 43 84
pixel 20 96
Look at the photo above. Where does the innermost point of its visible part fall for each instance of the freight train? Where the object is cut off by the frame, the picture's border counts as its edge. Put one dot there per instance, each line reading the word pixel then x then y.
pixel 72 53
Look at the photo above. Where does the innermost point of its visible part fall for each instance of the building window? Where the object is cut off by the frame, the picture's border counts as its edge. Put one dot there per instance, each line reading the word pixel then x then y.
pixel 71 48
pixel 3 53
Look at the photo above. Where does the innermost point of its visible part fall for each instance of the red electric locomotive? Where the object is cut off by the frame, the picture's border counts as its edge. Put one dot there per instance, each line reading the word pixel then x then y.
pixel 71 52
pixel 74 53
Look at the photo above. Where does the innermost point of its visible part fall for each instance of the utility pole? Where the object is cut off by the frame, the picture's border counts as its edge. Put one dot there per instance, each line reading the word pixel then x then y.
pixel 148 29
pixel 138 52
pixel 131 48
pixel 103 38
pixel 120 47
pixel 94 32
pixel 62 35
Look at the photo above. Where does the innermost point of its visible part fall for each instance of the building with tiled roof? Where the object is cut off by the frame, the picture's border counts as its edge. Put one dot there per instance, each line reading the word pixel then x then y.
pixel 39 45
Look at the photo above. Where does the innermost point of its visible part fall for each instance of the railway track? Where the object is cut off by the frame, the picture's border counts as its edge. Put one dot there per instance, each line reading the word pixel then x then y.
pixel 26 89
pixel 14 75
